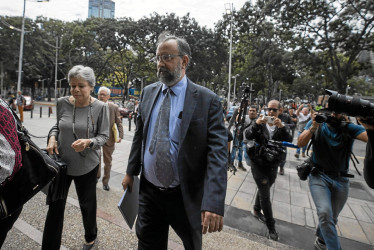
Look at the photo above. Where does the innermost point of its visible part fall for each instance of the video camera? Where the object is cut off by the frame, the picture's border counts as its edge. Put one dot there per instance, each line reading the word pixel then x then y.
pixel 352 106
pixel 245 90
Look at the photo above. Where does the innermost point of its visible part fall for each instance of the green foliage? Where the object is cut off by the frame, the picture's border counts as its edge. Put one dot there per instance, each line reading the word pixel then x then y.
pixel 297 46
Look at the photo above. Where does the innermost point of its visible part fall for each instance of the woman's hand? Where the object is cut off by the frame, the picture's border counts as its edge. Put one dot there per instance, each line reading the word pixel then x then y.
pixel 52 145
pixel 80 144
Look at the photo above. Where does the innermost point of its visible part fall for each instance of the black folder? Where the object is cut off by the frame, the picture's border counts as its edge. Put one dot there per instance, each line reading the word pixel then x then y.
pixel 129 203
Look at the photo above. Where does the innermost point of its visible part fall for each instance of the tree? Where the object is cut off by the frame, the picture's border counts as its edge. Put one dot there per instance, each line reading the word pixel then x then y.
pixel 338 30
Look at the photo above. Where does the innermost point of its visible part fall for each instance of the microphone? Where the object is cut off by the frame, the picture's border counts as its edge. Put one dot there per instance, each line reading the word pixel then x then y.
pixel 284 143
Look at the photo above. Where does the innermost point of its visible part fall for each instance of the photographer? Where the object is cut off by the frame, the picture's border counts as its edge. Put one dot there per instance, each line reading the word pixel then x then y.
pixel 265 160
pixel 287 120
pixel 328 182
pixel 303 116
pixel 369 158
pixel 237 148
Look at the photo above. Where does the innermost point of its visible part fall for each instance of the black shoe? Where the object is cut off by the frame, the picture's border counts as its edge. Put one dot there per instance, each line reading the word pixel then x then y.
pixel 273 234
pixel 106 187
pixel 241 167
pixel 97 180
pixel 258 215
pixel 281 171
pixel 319 244
pixel 87 246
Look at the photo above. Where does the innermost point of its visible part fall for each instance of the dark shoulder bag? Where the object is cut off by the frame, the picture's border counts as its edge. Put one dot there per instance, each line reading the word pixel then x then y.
pixel 37 170
pixel 56 189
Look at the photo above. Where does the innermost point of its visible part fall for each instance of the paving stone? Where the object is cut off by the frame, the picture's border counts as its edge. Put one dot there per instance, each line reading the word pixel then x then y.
pixel 309 218
pixel 305 186
pixel 230 193
pixel 297 215
pixel 347 212
pixel 369 230
pixel 282 211
pixel 356 201
pixel 360 213
pixel 295 183
pixel 249 178
pixel 282 195
pixel 248 187
pixel 369 212
pixel 300 199
pixel 242 201
pixel 351 229
pixel 282 184
pixel 338 230
pixel 235 182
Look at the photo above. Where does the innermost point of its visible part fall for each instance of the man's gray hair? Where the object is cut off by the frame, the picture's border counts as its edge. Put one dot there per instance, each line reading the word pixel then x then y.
pixel 183 46
pixel 84 72
pixel 105 89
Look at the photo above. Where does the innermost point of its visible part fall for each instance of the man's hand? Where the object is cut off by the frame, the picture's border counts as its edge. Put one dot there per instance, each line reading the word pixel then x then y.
pixel 127 182
pixel 211 222
pixel 365 125
pixel 278 122
pixel 260 120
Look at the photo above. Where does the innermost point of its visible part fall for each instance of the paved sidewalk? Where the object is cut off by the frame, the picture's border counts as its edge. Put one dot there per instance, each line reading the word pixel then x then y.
pixel 293 208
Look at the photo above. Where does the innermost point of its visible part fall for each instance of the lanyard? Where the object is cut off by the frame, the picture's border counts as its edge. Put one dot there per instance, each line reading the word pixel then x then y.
pixel 89 113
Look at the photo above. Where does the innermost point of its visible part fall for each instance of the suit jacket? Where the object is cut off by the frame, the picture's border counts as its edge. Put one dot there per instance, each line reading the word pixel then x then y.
pixel 202 156
pixel 114 117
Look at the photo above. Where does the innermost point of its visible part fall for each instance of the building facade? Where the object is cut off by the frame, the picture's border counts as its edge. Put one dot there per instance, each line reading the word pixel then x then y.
pixel 101 8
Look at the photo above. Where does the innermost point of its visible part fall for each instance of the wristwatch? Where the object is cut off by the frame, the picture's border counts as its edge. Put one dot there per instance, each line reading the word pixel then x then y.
pixel 91 144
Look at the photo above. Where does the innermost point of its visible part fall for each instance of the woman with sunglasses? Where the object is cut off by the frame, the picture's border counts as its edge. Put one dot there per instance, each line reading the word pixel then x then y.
pixel 82 128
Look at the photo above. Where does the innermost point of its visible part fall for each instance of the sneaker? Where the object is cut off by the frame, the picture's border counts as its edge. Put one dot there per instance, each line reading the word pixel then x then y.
pixel 273 234
pixel 260 216
pixel 241 167
pixel 303 154
pixel 297 155
pixel 281 171
pixel 319 244
pixel 106 187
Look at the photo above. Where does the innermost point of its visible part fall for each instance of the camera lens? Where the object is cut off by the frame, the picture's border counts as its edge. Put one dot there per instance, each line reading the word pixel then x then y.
pixel 320 118
pixel 351 106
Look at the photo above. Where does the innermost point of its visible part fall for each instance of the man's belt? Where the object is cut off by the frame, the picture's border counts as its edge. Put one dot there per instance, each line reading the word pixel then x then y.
pixel 333 174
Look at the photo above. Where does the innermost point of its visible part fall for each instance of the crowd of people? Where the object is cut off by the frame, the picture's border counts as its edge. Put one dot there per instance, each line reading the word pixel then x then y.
pixel 181 152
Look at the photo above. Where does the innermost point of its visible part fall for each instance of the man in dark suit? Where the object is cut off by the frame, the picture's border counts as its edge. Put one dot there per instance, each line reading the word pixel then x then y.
pixel 194 201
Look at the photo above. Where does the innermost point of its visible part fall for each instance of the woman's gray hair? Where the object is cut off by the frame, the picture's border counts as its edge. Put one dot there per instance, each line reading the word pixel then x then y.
pixel 84 72
pixel 105 89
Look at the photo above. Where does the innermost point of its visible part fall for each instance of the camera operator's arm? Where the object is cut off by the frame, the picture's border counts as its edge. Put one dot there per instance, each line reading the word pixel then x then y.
pixel 311 109
pixel 369 157
pixel 307 134
pixel 233 118
pixel 299 109
pixel 255 129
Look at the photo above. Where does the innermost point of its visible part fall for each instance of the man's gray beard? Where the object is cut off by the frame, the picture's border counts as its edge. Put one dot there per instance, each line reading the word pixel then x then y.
pixel 171 78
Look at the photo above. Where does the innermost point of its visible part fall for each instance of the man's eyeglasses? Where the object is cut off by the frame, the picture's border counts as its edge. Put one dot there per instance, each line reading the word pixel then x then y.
pixel 166 58
pixel 272 109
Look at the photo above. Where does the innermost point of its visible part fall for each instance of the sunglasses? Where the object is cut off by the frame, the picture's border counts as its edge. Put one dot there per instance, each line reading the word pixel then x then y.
pixel 272 109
